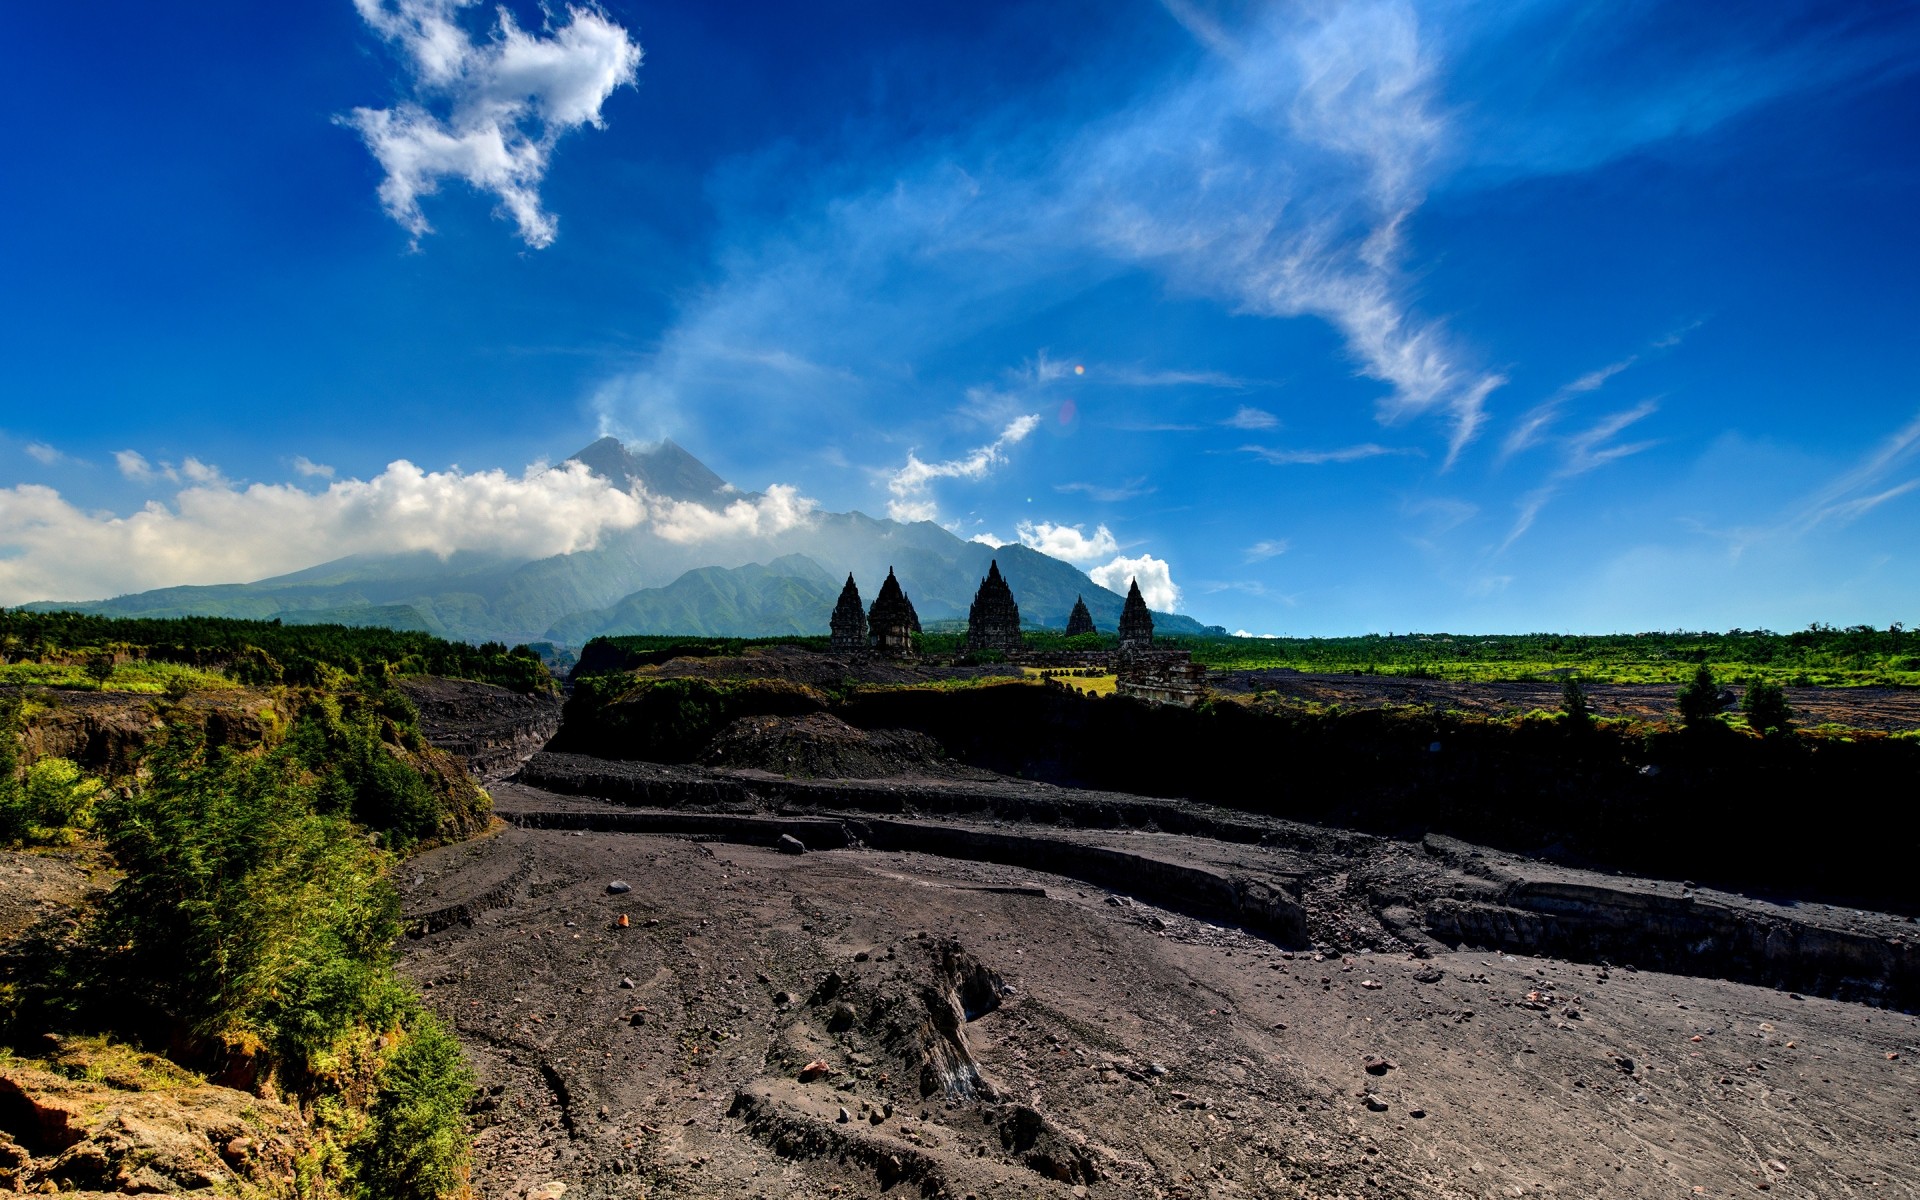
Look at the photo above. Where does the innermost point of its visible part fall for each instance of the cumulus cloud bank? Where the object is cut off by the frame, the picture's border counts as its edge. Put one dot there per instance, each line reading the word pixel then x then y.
pixel 1069 543
pixel 909 484
pixel 1155 578
pixel 506 103
pixel 216 531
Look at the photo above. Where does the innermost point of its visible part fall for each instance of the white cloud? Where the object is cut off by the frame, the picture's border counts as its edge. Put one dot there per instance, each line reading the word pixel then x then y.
pixel 781 508
pixel 1581 453
pixel 1155 579
pixel 1532 429
pixel 1277 178
pixel 1268 548
pixel 1343 99
pixel 1241 633
pixel 1314 458
pixel 1109 495
pixel 311 469
pixel 988 539
pixel 507 101
pixel 909 484
pixel 1069 543
pixel 217 531
pixel 134 466
pixel 44 454
pixel 1252 418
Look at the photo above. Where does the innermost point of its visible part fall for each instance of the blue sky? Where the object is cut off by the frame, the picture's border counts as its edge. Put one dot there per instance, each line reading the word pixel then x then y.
pixel 1334 318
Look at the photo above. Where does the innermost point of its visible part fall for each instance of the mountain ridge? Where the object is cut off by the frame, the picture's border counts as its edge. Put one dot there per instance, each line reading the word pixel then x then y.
pixel 637 578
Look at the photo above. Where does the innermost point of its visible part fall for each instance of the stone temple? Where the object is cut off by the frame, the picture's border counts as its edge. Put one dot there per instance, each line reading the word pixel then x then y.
pixel 1081 621
pixel 993 623
pixel 891 622
pixel 849 623
pixel 1136 623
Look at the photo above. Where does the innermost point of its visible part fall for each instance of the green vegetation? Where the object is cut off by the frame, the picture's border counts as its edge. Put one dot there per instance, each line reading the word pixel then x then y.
pixel 67 649
pixel 1765 706
pixel 1574 703
pixel 1699 698
pixel 1820 654
pixel 251 933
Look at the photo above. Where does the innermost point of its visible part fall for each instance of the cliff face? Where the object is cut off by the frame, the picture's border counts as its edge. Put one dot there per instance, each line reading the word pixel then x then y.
pixel 490 729
pixel 106 731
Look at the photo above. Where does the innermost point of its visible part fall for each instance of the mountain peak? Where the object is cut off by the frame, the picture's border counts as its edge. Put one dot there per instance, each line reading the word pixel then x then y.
pixel 663 469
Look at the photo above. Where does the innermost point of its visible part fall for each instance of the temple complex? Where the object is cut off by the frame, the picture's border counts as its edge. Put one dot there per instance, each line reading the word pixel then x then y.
pixel 849 625
pixel 1136 623
pixel 891 622
pixel 993 623
pixel 1080 621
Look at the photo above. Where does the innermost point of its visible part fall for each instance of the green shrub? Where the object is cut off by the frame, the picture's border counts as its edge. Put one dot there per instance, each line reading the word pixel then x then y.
pixel 1766 707
pixel 243 910
pixel 415 1146
pixel 1699 698
pixel 50 805
pixel 1574 703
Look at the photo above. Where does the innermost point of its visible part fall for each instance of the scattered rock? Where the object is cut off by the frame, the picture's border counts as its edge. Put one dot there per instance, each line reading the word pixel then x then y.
pixel 1375 1103
pixel 789 844
pixel 1429 975
pixel 547 1191
pixel 844 1116
pixel 1375 1065
pixel 814 1070
pixel 616 888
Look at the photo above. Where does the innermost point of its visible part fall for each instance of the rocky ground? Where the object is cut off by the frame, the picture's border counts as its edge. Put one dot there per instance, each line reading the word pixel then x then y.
pixel 858 1021
pixel 1891 709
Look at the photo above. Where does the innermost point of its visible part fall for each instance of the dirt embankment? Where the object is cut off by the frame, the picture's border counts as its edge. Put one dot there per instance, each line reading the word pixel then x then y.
pixel 107 731
pixel 490 729
pixel 820 745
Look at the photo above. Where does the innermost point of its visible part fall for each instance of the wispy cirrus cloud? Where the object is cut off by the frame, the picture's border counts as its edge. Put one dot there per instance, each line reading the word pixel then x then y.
pixel 910 483
pixel 1532 428
pixel 1582 453
pixel 1276 176
pixel 1251 418
pixel 505 103
pixel 1109 494
pixel 1280 457
pixel 1265 549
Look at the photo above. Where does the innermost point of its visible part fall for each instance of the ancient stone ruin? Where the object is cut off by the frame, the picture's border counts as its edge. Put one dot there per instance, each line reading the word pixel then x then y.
pixel 1136 623
pixel 1080 621
pixel 891 622
pixel 849 624
pixel 993 623
pixel 1162 676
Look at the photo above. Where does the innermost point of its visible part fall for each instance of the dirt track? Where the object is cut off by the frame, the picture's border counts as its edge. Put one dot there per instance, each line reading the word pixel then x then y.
pixel 1133 1051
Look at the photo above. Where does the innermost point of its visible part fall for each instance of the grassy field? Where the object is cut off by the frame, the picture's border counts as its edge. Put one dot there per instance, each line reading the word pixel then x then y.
pixel 1821 655
pixel 152 678
pixel 1090 685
